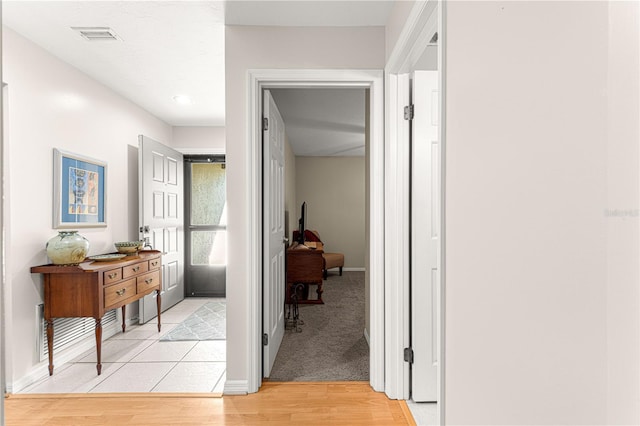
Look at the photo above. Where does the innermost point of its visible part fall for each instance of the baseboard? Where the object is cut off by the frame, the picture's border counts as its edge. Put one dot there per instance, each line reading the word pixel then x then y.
pixel 41 371
pixel 352 269
pixel 366 337
pixel 236 387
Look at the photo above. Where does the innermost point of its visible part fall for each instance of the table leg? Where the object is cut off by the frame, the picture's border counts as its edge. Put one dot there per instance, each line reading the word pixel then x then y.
pixel 50 344
pixel 159 305
pixel 99 344
pixel 123 312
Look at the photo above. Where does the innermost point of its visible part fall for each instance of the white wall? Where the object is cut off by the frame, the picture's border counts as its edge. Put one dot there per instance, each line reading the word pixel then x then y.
pixel 396 22
pixel 291 208
pixel 199 140
pixel 2 243
pixel 334 190
pixel 542 285
pixel 52 105
pixel 623 191
pixel 271 47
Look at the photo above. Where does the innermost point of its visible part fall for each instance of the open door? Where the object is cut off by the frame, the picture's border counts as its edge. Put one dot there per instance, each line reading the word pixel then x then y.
pixel 273 227
pixel 425 236
pixel 161 209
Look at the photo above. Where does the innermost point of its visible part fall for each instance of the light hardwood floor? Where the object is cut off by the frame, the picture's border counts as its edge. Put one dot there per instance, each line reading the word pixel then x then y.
pixel 292 403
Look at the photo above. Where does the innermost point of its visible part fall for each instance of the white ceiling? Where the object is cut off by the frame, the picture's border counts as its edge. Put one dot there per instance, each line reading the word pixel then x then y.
pixel 176 48
pixel 167 49
pixel 309 13
pixel 323 122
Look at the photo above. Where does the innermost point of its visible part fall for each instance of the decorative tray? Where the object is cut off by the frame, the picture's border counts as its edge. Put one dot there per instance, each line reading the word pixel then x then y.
pixel 107 257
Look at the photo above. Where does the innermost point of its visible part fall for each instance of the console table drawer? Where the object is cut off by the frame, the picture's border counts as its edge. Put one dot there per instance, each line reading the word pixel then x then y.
pixel 119 292
pixel 148 281
pixel 155 264
pixel 133 270
pixel 112 276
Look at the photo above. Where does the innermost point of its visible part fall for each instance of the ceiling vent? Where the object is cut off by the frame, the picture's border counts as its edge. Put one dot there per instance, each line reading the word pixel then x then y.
pixel 97 33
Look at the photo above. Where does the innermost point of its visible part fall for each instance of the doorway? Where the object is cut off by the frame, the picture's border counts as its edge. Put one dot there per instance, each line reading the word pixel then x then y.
pixel 205 226
pixel 271 79
pixel 422 263
pixel 325 154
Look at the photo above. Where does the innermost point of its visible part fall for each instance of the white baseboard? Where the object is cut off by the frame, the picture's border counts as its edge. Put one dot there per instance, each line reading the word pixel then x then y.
pixel 41 370
pixel 353 269
pixel 236 387
pixel 366 337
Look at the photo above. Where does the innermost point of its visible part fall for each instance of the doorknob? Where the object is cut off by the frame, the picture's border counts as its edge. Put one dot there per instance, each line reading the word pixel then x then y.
pixel 285 240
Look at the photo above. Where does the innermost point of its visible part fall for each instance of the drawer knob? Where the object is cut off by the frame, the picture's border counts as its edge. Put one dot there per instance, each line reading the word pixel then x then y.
pixel 121 291
pixel 136 269
pixel 112 276
pixel 148 280
pixel 154 263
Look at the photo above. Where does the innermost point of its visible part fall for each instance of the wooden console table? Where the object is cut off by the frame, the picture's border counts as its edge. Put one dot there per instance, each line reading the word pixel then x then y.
pixel 92 288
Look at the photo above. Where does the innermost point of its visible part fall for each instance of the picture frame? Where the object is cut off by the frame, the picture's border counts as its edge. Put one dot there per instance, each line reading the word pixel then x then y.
pixel 79 191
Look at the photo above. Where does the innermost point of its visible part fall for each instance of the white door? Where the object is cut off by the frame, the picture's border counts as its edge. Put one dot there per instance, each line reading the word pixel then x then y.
pixel 161 205
pixel 425 236
pixel 273 225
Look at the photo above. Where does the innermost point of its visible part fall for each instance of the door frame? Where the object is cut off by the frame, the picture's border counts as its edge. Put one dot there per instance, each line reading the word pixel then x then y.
pixel 423 20
pixel 259 79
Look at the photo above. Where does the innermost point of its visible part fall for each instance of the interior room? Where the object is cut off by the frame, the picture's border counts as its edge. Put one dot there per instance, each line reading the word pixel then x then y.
pixel 325 142
pixel 518 207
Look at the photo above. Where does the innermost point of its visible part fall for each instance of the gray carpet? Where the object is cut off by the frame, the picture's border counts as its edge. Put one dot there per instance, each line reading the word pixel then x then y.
pixel 207 323
pixel 331 345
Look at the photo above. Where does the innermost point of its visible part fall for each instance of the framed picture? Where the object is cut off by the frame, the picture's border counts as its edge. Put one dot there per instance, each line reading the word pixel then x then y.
pixel 79 191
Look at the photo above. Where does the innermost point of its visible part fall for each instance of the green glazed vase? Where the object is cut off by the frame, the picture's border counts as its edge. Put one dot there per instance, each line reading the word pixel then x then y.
pixel 67 248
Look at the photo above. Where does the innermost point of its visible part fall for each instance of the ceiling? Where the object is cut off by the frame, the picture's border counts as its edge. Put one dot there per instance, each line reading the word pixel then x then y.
pixel 323 122
pixel 166 49
pixel 169 49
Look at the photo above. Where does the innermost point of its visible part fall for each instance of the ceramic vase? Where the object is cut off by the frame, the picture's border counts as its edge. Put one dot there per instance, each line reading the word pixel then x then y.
pixel 67 248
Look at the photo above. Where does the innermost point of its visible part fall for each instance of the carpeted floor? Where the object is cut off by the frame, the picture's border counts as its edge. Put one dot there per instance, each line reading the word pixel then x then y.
pixel 331 345
pixel 207 323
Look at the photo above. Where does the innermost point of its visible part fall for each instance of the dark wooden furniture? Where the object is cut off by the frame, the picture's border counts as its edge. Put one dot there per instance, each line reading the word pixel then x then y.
pixel 92 288
pixel 304 266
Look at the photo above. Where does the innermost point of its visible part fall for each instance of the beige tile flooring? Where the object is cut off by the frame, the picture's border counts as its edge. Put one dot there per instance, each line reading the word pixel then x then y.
pixel 136 361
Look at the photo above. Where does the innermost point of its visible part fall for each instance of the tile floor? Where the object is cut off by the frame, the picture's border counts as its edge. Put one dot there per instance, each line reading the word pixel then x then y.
pixel 136 361
pixel 424 413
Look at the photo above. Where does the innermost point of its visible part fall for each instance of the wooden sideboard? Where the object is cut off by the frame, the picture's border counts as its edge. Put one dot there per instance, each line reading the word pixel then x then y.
pixel 304 266
pixel 92 288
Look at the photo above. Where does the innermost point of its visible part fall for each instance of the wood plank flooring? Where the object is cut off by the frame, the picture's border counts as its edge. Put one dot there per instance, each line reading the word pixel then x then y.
pixel 291 403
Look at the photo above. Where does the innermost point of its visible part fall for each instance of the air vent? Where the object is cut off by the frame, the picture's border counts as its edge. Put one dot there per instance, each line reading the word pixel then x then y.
pixel 97 33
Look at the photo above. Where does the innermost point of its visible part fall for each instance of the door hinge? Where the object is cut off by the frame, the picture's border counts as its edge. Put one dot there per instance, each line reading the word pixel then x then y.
pixel 408 355
pixel 265 339
pixel 265 124
pixel 408 112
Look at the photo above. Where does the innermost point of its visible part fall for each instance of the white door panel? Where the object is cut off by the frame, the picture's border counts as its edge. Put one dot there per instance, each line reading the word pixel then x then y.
pixel 274 250
pixel 425 238
pixel 161 218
